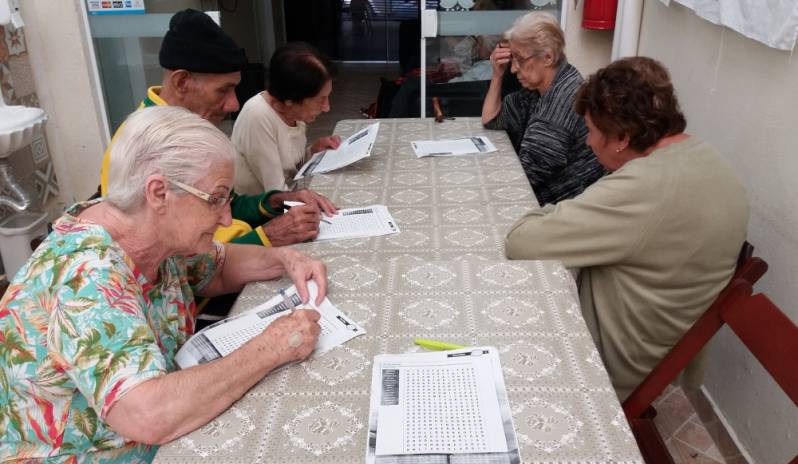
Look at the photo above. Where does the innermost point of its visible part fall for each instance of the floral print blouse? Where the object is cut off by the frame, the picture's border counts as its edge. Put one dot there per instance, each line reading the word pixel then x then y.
pixel 79 327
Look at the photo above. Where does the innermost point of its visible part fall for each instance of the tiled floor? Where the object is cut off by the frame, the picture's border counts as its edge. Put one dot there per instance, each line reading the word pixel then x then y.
pixel 356 87
pixel 692 431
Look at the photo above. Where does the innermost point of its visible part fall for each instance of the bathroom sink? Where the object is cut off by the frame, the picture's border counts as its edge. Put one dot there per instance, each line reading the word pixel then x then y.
pixel 18 124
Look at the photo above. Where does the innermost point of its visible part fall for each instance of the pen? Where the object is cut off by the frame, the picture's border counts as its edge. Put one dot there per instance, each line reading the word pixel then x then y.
pixel 287 206
pixel 287 300
pixel 436 345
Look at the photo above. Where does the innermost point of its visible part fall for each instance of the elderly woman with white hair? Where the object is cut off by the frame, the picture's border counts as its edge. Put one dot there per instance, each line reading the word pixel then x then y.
pixel 91 324
pixel 548 135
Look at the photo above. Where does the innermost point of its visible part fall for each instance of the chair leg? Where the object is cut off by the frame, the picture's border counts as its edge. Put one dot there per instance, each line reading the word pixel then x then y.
pixel 652 448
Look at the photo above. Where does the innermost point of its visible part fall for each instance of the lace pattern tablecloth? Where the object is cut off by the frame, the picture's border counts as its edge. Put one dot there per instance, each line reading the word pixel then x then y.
pixel 443 277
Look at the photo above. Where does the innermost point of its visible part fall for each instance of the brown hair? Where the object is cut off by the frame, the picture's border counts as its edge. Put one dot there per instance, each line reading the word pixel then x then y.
pixel 633 97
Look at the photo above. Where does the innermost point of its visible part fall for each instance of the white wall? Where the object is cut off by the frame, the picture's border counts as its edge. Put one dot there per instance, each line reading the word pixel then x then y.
pixel 66 87
pixel 588 50
pixel 742 97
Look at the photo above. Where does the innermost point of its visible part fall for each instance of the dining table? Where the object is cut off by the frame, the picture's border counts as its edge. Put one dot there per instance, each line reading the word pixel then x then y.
pixel 444 276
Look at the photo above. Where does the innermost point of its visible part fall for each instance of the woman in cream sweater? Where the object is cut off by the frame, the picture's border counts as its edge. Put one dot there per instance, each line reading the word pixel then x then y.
pixel 269 133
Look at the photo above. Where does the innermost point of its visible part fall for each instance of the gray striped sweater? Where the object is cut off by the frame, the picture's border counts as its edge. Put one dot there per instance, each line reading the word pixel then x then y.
pixel 549 137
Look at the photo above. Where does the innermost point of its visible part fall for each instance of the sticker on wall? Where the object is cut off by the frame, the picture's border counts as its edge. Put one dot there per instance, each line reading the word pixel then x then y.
pixel 102 7
pixel 46 183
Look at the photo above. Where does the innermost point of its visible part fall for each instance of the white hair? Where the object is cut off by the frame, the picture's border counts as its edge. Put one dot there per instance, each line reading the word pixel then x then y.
pixel 167 140
pixel 539 33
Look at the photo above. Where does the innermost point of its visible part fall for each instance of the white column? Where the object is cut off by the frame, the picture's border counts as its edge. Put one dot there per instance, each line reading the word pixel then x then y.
pixel 627 28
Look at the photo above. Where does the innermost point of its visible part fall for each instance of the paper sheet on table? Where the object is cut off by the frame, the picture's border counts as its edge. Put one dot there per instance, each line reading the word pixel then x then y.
pixel 453 147
pixel 438 404
pixel 356 147
pixel 226 336
pixel 369 221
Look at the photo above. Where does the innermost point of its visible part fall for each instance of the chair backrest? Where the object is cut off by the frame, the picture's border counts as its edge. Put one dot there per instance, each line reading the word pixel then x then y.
pixel 749 270
pixel 770 336
pixel 685 349
pixel 749 267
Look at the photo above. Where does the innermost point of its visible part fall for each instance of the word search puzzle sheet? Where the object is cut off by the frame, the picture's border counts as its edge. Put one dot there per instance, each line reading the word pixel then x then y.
pixel 369 221
pixel 441 403
pixel 226 336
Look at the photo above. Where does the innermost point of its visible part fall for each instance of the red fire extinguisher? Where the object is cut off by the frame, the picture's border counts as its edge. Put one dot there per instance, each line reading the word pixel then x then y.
pixel 599 14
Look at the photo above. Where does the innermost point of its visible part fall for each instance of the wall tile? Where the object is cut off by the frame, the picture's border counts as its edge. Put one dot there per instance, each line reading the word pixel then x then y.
pixel 46 183
pixel 15 40
pixel 22 74
pixel 7 84
pixel 4 54
pixel 39 150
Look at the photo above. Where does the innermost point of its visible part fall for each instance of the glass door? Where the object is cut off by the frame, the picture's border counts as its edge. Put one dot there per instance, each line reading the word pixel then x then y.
pixel 126 48
pixel 456 59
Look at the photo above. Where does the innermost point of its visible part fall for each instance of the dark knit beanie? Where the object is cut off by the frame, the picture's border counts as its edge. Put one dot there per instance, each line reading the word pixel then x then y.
pixel 197 44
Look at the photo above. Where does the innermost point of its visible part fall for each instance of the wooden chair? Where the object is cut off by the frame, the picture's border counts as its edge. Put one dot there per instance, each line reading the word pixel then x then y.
pixel 762 327
pixel 749 267
pixel 637 407
pixel 638 404
pixel 749 270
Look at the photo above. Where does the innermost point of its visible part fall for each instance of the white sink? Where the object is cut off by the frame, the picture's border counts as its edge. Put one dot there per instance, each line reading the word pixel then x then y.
pixel 18 124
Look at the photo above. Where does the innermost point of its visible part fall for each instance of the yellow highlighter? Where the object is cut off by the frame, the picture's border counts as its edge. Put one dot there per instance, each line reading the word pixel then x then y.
pixel 437 345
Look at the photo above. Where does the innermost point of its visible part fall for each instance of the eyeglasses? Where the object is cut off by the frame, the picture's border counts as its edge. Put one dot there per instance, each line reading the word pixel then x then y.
pixel 519 61
pixel 216 201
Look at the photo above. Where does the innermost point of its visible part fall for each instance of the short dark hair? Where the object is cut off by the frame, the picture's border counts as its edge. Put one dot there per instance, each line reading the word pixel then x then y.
pixel 634 97
pixel 298 71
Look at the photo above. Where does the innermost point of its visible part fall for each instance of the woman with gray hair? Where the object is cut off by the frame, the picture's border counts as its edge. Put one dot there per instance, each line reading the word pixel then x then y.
pixel 91 324
pixel 546 132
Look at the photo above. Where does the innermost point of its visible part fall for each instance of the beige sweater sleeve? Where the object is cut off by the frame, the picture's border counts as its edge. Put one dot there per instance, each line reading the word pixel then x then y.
pixel 255 138
pixel 603 225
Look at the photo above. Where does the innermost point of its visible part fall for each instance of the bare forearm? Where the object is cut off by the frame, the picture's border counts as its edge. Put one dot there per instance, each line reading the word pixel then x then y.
pixel 249 263
pixel 493 100
pixel 188 399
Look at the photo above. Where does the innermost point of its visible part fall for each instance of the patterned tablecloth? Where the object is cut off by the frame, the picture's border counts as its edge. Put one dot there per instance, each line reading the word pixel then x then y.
pixel 444 277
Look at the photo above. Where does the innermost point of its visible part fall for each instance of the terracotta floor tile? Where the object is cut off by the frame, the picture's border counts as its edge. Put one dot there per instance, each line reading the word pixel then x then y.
pixel 672 412
pixel 684 453
pixel 694 434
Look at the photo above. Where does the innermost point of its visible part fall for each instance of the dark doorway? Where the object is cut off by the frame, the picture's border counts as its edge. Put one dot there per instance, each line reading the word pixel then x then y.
pixel 352 30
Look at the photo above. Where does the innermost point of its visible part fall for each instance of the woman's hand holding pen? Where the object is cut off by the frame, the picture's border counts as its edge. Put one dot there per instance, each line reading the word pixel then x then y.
pixel 294 335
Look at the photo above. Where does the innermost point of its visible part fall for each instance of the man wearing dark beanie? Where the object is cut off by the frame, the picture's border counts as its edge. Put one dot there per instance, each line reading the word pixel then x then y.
pixel 202 67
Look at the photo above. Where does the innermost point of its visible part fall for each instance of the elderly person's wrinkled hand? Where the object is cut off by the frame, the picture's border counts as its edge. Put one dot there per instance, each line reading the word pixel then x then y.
pixel 301 268
pixel 308 197
pixel 500 58
pixel 294 336
pixel 332 142
pixel 299 224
